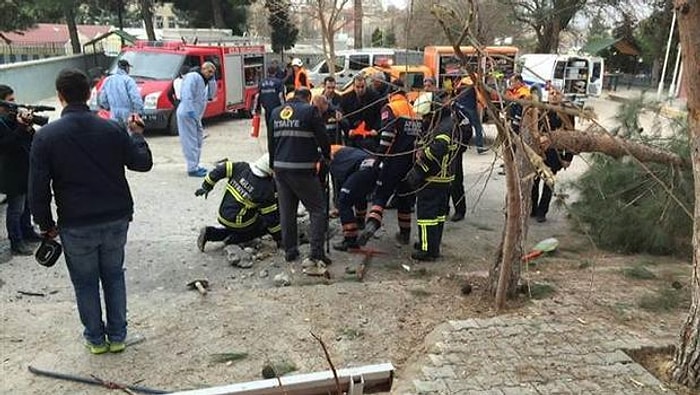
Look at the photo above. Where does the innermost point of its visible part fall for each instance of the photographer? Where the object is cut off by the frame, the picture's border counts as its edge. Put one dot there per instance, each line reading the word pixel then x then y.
pixel 16 135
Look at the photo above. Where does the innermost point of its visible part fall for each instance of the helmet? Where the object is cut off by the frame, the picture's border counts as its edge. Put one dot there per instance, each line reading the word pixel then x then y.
pixel 297 62
pixel 261 167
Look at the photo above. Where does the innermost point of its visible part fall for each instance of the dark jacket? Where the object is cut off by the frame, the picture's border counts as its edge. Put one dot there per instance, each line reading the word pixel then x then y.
pixel 298 133
pixel 269 91
pixel 346 161
pixel 400 126
pixel 82 157
pixel 247 196
pixel 15 140
pixel 361 108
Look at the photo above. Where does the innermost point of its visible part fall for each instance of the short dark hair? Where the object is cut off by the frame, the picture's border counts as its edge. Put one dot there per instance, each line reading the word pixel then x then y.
pixel 328 79
pixel 303 94
pixel 73 85
pixel 5 91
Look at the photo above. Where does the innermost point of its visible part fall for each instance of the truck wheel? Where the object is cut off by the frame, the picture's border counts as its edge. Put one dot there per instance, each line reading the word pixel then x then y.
pixel 172 125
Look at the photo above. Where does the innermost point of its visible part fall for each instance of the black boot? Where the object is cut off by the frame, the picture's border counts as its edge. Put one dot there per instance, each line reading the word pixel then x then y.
pixel 370 228
pixel 202 239
pixel 20 248
pixel 403 236
pixel 348 243
pixel 424 256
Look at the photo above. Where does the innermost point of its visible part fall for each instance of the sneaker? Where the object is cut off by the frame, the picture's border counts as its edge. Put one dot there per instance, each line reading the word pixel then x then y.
pixel 200 172
pixel 97 349
pixel 323 259
pixel 21 249
pixel 117 347
pixel 202 239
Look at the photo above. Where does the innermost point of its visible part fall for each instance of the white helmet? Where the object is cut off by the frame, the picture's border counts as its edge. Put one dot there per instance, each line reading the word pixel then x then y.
pixel 261 167
pixel 297 62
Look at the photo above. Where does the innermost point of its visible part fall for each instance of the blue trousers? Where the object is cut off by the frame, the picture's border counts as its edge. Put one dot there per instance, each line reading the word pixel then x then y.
pixel 95 255
pixel 191 139
pixel 18 219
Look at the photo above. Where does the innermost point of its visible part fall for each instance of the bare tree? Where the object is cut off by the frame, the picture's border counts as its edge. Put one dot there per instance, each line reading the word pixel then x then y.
pixel 686 367
pixel 328 14
pixel 147 15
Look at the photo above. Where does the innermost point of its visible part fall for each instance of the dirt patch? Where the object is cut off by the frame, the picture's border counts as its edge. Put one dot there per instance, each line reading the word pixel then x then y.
pixel 658 361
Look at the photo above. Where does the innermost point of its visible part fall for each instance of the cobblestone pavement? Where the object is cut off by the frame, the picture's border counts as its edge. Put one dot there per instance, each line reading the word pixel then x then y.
pixel 549 354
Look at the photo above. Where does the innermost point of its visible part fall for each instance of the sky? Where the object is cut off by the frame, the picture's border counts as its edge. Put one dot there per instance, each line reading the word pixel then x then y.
pixel 395 3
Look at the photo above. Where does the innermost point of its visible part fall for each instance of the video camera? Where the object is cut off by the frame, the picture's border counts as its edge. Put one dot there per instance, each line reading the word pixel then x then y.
pixel 36 119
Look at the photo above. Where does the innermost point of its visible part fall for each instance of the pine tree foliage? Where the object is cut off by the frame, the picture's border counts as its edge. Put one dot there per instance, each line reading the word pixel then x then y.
pixel 625 209
pixel 284 32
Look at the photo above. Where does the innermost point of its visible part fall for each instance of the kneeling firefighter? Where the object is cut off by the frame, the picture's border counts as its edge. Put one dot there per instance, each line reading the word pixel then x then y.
pixel 249 207
pixel 431 176
pixel 355 171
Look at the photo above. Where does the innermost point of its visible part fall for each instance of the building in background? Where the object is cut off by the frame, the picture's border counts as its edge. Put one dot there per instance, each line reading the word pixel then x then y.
pixel 45 40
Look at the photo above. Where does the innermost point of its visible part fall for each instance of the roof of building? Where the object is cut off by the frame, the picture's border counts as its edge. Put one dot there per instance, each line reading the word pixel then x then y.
pixel 53 33
pixel 624 46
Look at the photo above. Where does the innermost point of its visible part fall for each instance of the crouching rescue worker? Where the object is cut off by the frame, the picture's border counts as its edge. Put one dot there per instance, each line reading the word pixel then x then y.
pixel 431 176
pixel 249 207
pixel 400 127
pixel 356 171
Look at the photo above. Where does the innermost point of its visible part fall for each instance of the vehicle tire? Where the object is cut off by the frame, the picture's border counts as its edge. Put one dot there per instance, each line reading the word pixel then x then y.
pixel 172 129
pixel 245 113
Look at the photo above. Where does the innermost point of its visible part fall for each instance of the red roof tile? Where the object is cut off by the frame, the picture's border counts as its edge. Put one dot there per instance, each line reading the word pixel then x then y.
pixel 53 33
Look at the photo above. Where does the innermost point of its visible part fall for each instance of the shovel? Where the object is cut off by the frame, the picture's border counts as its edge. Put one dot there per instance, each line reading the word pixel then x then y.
pixel 546 245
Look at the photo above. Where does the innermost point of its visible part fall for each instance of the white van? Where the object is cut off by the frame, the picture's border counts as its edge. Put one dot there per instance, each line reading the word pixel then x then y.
pixel 577 77
pixel 350 62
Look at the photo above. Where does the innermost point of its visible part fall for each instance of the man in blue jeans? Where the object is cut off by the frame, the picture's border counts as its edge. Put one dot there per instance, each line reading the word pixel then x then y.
pixel 82 157
pixel 16 134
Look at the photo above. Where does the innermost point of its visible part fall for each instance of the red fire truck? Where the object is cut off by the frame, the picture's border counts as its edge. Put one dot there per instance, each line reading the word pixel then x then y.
pixel 154 66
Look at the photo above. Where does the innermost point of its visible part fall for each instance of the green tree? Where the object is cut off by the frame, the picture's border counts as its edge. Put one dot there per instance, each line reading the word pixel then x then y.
pixel 207 14
pixel 284 33
pixel 15 15
pixel 377 38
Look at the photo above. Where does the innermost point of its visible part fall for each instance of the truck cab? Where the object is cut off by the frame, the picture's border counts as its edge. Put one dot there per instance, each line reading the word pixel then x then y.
pixel 154 66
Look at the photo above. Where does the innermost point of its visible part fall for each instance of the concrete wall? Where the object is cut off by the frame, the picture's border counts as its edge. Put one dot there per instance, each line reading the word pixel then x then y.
pixel 34 80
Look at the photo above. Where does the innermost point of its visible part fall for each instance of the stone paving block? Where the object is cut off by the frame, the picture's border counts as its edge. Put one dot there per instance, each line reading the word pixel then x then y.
pixel 464 324
pixel 437 360
pixel 490 322
pixel 512 331
pixel 582 386
pixel 443 372
pixel 455 386
pixel 485 392
pixel 552 388
pixel 430 387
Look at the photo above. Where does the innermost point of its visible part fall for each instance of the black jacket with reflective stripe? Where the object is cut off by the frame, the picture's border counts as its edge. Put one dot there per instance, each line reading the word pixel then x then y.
pixel 298 132
pixel 246 197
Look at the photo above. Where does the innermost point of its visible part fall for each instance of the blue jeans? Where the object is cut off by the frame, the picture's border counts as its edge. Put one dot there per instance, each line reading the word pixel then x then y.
pixel 475 121
pixel 95 254
pixel 18 219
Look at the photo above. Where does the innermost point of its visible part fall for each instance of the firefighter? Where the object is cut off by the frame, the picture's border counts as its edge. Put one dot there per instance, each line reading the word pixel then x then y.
pixel 333 119
pixel 300 143
pixel 356 172
pixel 517 91
pixel 270 96
pixel 249 207
pixel 301 78
pixel 431 176
pixel 400 128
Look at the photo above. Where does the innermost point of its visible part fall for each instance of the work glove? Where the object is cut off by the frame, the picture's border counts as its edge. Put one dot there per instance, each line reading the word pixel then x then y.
pixel 202 191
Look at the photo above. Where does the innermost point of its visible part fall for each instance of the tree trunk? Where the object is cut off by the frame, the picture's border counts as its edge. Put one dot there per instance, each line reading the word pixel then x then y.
pixel 548 42
pixel 147 15
pixel 686 366
pixel 69 13
pixel 357 9
pixel 217 14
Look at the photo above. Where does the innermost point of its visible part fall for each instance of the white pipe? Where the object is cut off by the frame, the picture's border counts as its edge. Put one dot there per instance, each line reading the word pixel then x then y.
pixel 680 82
pixel 668 50
pixel 672 88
